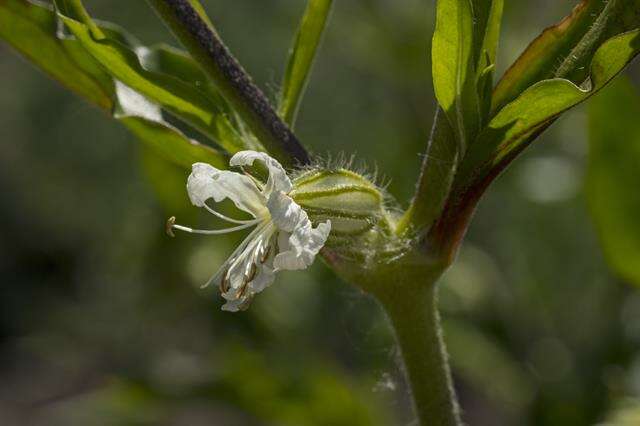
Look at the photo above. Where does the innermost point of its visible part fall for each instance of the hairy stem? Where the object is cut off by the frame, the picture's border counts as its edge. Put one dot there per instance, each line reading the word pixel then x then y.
pixel 416 322
pixel 235 85
pixel 587 45
pixel 436 175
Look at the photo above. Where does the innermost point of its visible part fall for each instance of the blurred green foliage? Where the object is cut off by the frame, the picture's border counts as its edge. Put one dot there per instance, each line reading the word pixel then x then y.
pixel 612 180
pixel 101 318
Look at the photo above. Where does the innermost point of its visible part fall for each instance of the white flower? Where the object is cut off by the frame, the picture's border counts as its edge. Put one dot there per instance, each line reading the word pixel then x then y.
pixel 283 238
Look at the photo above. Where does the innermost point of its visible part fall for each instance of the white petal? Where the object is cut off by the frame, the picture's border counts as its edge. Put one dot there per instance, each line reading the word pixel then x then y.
pixel 299 250
pixel 285 213
pixel 233 305
pixel 207 182
pixel 199 185
pixel 278 179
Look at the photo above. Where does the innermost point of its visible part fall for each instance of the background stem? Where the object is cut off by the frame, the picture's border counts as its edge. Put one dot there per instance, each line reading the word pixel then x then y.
pixel 416 322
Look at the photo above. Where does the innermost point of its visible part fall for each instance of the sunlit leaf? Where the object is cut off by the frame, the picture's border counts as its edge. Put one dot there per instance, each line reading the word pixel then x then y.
pixel 509 131
pixel 454 77
pixel 613 175
pixel 565 49
pixel 144 119
pixel 169 60
pixel 234 83
pixel 488 20
pixel 302 57
pixel 126 62
pixel 465 84
pixel 30 28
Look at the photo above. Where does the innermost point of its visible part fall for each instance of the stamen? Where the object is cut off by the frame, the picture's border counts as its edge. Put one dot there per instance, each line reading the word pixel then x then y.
pixel 266 254
pixel 228 219
pixel 171 225
pixel 224 283
pixel 252 272
pixel 255 180
pixel 237 254
pixel 249 249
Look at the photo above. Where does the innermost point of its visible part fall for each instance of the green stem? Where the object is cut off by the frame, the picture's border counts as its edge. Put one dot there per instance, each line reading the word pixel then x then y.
pixel 416 323
pixel 436 176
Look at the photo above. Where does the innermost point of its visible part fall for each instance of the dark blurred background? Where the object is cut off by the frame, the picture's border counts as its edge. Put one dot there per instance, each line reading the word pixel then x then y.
pixel 102 321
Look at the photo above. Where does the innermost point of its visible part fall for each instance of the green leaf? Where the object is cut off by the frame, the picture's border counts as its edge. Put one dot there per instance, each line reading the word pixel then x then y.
pixel 169 60
pixel 613 176
pixel 233 82
pixel 175 62
pixel 126 62
pixel 510 130
pixel 302 56
pixel 30 28
pixel 453 65
pixel 488 19
pixel 144 119
pixel 565 49
pixel 442 154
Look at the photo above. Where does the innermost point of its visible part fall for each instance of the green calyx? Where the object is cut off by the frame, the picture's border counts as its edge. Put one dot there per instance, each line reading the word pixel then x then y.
pixel 352 202
pixel 362 224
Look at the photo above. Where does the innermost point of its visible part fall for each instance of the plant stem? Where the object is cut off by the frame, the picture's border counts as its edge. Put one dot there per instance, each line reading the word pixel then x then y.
pixel 436 176
pixel 416 322
pixel 233 82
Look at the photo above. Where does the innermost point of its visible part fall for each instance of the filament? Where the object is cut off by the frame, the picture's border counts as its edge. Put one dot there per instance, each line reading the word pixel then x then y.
pixel 171 225
pixel 228 219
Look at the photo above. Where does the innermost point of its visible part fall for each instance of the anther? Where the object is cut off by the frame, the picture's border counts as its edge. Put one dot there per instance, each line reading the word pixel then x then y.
pixel 243 289
pixel 252 273
pixel 169 226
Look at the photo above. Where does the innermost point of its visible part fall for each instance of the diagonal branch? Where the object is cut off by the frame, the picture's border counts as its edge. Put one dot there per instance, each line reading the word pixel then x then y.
pixel 237 87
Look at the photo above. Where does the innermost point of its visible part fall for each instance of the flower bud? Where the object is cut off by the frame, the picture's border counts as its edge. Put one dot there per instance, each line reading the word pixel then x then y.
pixel 352 203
